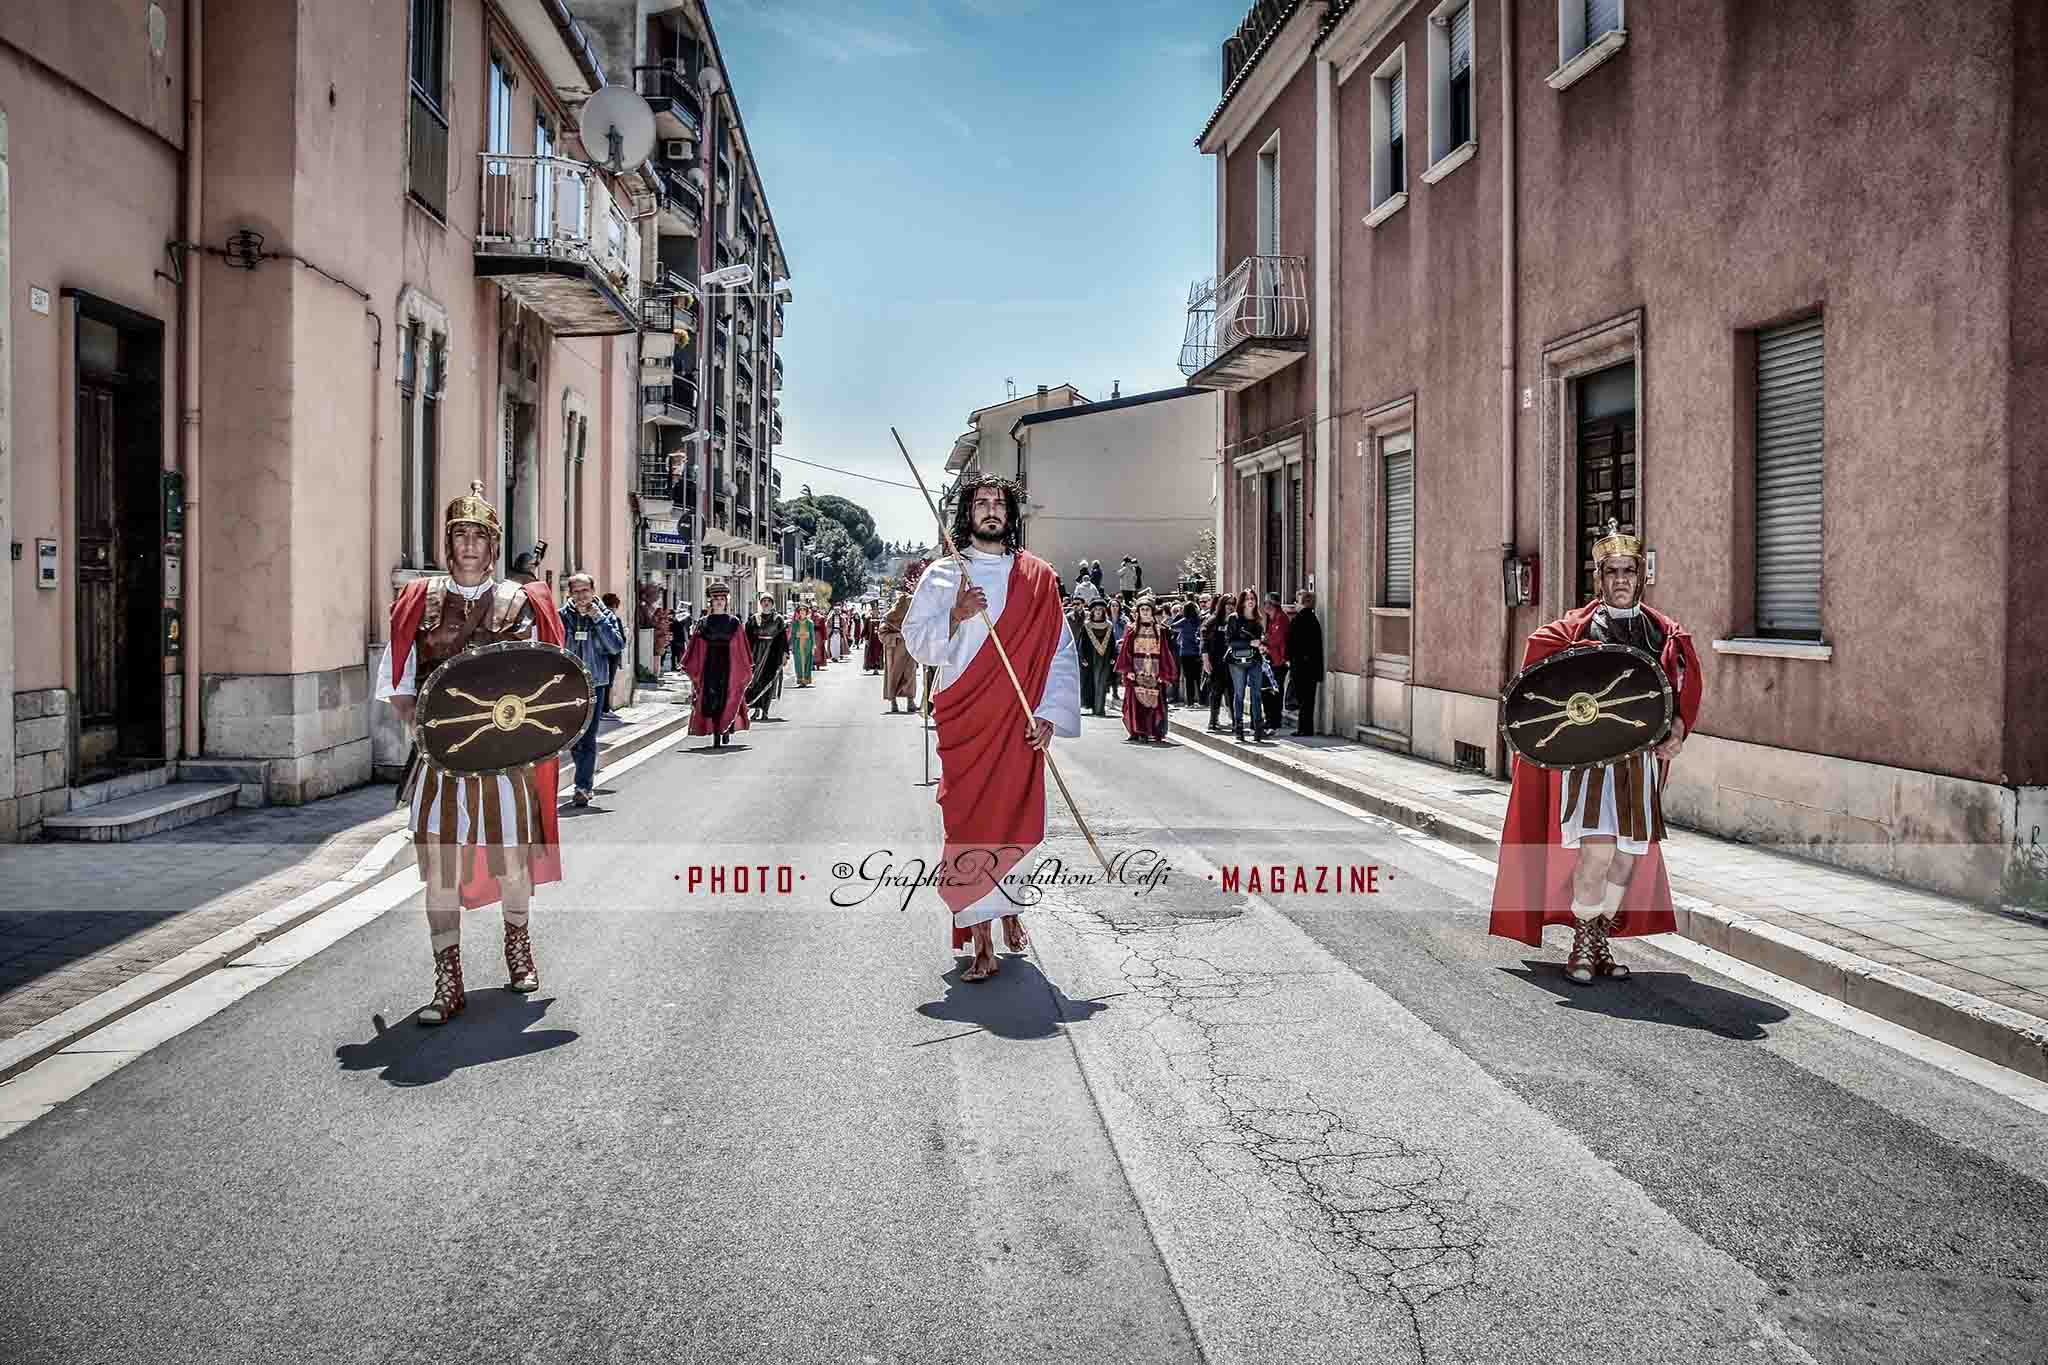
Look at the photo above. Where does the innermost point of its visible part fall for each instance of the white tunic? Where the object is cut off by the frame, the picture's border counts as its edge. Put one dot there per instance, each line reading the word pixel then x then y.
pixel 925 635
pixel 1578 820
pixel 468 829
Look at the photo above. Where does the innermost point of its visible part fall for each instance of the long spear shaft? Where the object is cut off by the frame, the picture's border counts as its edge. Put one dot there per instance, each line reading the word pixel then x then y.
pixel 946 539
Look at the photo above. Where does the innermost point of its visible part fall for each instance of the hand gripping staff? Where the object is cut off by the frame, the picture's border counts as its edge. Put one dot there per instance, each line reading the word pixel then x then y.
pixel 946 539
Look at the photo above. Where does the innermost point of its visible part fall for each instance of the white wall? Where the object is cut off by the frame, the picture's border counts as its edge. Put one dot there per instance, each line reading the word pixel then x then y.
pixel 1130 481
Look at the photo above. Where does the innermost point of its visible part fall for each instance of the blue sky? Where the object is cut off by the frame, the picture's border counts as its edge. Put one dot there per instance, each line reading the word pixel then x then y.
pixel 970 190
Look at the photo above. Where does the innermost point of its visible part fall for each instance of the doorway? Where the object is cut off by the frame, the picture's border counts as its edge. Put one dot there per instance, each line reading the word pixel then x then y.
pixel 1607 461
pixel 520 477
pixel 118 532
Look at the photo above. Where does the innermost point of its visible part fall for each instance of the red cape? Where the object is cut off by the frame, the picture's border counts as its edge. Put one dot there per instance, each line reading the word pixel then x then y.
pixel 1126 664
pixel 991 781
pixel 739 675
pixel 544 858
pixel 1532 885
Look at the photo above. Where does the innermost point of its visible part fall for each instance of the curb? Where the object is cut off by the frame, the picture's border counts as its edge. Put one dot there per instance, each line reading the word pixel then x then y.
pixel 1984 1028
pixel 382 861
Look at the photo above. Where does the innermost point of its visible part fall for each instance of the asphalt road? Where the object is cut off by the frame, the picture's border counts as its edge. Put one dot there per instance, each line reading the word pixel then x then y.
pixel 1193 1124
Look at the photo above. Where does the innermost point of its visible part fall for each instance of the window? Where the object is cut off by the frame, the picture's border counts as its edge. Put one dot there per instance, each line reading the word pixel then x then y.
pixel 1389 136
pixel 543 177
pixel 1397 502
pixel 575 440
pixel 1789 460
pixel 426 176
pixel 408 445
pixel 1450 80
pixel 498 134
pixel 422 384
pixel 1269 198
pixel 1588 33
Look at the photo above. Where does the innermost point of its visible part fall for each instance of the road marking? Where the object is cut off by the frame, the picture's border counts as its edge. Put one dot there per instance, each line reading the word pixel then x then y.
pixel 2021 1089
pixel 28 1096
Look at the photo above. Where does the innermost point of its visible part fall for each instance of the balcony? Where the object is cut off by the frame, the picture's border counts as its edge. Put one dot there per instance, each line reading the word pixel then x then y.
pixel 667 322
pixel 776 369
pixel 778 319
pixel 657 480
pixel 549 236
pixel 775 428
pixel 678 109
pixel 1248 326
pixel 682 203
pixel 673 404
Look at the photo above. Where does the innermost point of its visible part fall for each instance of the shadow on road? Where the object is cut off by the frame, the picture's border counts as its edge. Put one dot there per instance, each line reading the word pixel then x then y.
pixel 491 1028
pixel 1018 1002
pixel 706 751
pixel 1660 998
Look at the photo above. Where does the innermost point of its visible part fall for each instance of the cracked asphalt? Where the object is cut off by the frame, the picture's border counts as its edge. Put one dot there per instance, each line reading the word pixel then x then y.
pixel 1190 1125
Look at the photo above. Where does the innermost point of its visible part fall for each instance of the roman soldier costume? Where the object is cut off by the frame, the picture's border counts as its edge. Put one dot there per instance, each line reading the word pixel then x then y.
pixel 1552 814
pixel 476 839
pixel 768 642
pixel 721 665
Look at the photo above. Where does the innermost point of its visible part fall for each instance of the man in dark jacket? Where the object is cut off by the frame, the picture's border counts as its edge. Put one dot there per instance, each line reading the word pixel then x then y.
pixel 593 633
pixel 1305 660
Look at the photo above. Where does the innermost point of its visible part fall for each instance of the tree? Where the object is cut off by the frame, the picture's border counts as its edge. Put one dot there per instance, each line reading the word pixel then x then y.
pixel 855 518
pixel 1201 563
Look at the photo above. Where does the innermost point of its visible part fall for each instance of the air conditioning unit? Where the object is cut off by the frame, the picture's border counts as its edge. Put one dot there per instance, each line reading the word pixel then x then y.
pixel 676 148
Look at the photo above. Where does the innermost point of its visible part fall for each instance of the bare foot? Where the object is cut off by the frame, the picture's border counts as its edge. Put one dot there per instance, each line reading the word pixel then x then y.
pixel 1014 937
pixel 984 965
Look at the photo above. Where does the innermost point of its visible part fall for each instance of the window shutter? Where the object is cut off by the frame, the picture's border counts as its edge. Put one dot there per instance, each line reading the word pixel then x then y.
pixel 1461 41
pixel 1397 484
pixel 1601 17
pixel 1788 479
pixel 1397 102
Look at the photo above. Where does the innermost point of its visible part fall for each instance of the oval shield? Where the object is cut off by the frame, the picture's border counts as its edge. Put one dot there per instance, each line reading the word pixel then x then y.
pixel 1588 705
pixel 499 708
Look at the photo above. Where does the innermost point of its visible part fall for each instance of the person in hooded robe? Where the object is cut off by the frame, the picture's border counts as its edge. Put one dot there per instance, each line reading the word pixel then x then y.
pixel 768 642
pixel 1097 645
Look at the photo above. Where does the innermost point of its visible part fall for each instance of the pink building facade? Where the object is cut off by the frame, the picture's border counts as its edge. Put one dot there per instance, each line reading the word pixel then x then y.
pixel 1762 284
pixel 281 280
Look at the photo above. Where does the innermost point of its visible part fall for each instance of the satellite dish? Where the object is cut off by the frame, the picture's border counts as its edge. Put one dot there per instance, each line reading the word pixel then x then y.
pixel 617 127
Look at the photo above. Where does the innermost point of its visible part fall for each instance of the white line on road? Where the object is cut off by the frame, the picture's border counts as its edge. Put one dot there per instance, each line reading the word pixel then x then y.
pixel 26 1097
pixel 2013 1085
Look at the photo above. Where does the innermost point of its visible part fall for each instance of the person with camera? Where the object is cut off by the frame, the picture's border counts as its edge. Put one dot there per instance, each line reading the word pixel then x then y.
pixel 592 632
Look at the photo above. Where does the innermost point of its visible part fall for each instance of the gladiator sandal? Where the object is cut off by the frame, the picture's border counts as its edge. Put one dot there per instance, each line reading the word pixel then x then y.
pixel 524 976
pixel 448 994
pixel 1580 965
pixel 1603 958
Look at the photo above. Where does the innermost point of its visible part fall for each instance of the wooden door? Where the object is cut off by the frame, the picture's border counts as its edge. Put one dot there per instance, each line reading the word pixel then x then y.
pixel 98 559
pixel 1607 486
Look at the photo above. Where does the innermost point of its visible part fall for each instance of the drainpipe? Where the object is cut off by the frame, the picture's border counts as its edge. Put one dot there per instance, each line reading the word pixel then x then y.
pixel 1507 330
pixel 188 378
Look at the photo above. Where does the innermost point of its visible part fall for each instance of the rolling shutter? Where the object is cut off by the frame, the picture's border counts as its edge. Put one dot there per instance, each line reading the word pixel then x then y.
pixel 1788 479
pixel 1461 41
pixel 1397 103
pixel 1601 17
pixel 1397 497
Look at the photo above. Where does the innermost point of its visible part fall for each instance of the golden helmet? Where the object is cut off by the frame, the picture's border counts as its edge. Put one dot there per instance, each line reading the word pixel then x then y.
pixel 1614 541
pixel 472 510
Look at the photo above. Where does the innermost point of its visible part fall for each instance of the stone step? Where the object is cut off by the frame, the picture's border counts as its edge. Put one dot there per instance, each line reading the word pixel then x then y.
pixel 1383 739
pixel 115 788
pixel 139 816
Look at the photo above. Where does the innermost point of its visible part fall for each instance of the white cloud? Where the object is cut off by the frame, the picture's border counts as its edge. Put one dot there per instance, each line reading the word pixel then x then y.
pixel 832 31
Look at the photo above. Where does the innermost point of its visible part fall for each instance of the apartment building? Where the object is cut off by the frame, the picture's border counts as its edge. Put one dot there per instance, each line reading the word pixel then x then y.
pixel 711 382
pixel 1763 283
pixel 281 280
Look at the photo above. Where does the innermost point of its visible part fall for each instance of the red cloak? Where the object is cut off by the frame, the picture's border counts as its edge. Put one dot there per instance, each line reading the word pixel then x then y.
pixel 739 673
pixel 1532 884
pixel 1138 718
pixel 991 781
pixel 544 855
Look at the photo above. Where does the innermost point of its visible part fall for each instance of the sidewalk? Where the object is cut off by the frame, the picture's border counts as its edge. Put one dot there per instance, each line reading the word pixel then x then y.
pixel 78 921
pixel 1973 977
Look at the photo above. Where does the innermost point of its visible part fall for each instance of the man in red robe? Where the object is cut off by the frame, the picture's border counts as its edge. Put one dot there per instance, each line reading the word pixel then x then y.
pixel 1585 848
pixel 477 840
pixel 1145 661
pixel 720 665
pixel 991 752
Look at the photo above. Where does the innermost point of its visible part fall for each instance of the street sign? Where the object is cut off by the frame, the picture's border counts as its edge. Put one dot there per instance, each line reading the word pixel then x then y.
pixel 779 573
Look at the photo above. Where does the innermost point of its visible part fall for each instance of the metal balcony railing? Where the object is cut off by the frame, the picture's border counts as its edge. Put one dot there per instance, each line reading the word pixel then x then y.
pixel 557 208
pixel 1265 297
pixel 670 91
pixel 656 477
pixel 668 312
pixel 680 193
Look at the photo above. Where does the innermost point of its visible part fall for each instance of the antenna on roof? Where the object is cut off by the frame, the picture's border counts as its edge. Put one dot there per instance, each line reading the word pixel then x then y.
pixel 1010 387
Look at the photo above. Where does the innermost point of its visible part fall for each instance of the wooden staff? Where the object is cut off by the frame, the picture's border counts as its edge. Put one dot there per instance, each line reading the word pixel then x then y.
pixel 946 539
